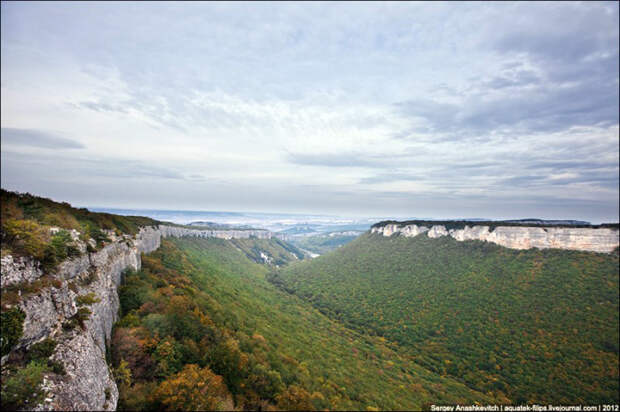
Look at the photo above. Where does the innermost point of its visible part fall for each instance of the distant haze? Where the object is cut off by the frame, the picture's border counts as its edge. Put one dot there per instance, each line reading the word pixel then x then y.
pixel 443 110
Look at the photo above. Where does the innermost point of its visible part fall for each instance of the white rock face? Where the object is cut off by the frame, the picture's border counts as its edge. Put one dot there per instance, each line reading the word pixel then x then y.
pixel 413 230
pixel 471 233
pixel 18 269
pixel 407 231
pixel 602 240
pixel 175 231
pixel 437 231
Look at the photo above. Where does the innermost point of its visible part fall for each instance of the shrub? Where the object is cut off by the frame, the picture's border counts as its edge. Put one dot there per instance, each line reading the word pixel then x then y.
pixel 82 316
pixel 59 243
pixel 23 389
pixel 12 328
pixel 56 367
pixel 42 350
pixel 99 236
pixel 87 299
pixel 79 318
pixel 73 287
pixel 26 237
pixel 92 277
pixel 60 248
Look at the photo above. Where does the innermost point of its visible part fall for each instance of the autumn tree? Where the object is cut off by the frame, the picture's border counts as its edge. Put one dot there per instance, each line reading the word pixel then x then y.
pixel 193 388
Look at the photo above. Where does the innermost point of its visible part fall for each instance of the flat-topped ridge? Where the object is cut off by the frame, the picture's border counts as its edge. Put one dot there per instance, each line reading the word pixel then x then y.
pixel 600 238
pixel 460 224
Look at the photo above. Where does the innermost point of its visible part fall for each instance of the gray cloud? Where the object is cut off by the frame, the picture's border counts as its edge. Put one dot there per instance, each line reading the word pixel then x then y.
pixel 37 138
pixel 102 107
pixel 495 110
pixel 84 168
pixel 337 160
pixel 561 72
pixel 546 108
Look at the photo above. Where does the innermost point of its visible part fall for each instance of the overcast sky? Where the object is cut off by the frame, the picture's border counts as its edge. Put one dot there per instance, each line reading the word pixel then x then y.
pixel 502 110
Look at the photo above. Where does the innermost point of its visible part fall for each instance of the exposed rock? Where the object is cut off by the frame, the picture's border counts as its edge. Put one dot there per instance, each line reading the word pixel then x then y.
pixel 602 240
pixel 437 231
pixel 413 230
pixel 18 269
pixel 88 377
pixel 82 352
pixel 176 231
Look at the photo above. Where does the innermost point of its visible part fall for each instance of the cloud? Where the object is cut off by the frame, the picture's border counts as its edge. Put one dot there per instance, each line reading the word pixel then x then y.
pixel 338 160
pixel 102 107
pixel 78 167
pixel 37 138
pixel 543 108
pixel 380 106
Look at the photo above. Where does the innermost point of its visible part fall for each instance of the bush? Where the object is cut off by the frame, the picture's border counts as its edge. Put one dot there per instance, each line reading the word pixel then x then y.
pixel 87 299
pixel 99 236
pixel 26 237
pixel 56 367
pixel 82 315
pixel 42 350
pixel 92 277
pixel 60 248
pixel 23 389
pixel 79 318
pixel 12 328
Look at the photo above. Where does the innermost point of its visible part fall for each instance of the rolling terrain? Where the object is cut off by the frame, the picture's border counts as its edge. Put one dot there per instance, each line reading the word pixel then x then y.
pixel 227 320
pixel 521 325
pixel 204 302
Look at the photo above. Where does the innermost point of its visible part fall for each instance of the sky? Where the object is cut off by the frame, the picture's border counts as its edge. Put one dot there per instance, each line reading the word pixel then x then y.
pixel 440 110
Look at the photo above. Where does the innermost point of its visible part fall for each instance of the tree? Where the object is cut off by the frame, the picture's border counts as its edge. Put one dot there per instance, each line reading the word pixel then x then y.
pixel 193 388
pixel 12 327
pixel 295 398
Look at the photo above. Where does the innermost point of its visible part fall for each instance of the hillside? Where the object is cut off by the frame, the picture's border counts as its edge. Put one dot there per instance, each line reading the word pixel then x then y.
pixel 204 302
pixel 50 231
pixel 323 243
pixel 531 325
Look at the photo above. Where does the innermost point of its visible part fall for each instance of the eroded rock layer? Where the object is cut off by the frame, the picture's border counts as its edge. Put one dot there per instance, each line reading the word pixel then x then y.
pixel 602 240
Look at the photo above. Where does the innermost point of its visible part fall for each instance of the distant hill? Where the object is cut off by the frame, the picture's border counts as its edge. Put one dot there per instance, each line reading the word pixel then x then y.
pixel 323 243
pixel 535 326
pixel 549 222
pixel 460 224
pixel 218 226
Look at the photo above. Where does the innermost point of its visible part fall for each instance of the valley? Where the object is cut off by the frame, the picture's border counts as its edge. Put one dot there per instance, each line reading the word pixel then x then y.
pixel 101 311
pixel 525 325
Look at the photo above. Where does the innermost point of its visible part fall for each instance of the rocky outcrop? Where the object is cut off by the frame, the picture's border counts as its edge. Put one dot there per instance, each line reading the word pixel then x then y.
pixel 176 231
pixel 88 383
pixel 602 240
pixel 18 269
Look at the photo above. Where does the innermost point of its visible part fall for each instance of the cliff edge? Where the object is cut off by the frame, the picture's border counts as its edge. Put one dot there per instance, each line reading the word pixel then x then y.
pixel 53 305
pixel 602 240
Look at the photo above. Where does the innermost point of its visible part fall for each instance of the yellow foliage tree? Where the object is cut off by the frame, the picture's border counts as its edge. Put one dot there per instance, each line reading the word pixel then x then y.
pixel 193 388
pixel 295 398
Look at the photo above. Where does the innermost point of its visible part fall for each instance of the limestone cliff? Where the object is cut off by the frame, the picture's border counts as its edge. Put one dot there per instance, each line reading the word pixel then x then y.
pixel 603 240
pixel 176 231
pixel 88 383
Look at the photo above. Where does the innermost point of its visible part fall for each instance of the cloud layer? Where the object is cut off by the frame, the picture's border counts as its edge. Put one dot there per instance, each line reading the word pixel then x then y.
pixel 407 109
